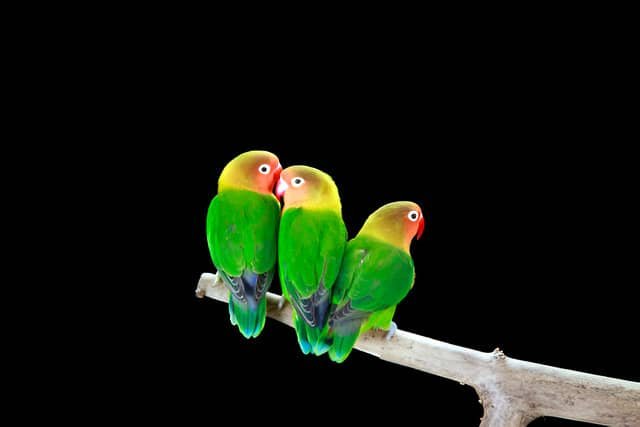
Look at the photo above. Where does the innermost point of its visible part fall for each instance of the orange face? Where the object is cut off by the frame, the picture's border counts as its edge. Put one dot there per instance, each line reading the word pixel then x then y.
pixel 254 170
pixel 396 223
pixel 265 170
pixel 413 221
pixel 295 184
pixel 309 187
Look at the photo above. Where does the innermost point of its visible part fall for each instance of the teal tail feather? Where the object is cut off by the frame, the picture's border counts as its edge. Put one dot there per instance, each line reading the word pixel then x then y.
pixel 343 335
pixel 341 346
pixel 310 311
pixel 317 339
pixel 247 300
pixel 311 340
pixel 249 320
pixel 301 333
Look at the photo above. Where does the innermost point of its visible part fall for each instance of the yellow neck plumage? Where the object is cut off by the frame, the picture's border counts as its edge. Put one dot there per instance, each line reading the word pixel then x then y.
pixel 387 228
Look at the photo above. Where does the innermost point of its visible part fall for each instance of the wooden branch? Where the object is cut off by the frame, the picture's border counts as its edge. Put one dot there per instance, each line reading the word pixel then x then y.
pixel 513 392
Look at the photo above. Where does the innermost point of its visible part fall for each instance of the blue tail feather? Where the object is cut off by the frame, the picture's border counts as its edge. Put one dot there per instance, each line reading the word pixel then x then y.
pixel 247 301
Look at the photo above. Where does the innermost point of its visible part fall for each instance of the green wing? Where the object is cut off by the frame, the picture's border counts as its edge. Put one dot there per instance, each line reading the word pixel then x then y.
pixel 383 279
pixel 242 229
pixel 311 245
pixel 375 277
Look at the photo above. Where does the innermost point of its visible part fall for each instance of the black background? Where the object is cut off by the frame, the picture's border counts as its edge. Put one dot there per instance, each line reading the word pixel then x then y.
pixel 518 253
pixel 515 138
pixel 526 207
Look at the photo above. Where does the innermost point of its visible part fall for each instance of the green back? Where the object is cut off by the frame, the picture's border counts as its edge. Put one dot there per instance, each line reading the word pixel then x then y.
pixel 375 275
pixel 242 230
pixel 311 244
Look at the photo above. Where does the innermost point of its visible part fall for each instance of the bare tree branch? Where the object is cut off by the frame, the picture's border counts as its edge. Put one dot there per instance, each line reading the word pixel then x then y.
pixel 513 392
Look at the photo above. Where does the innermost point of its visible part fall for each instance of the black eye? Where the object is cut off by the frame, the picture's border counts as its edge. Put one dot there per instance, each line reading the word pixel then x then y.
pixel 413 216
pixel 264 168
pixel 297 181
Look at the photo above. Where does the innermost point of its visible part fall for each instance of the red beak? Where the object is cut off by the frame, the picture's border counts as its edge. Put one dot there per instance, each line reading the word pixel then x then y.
pixel 276 176
pixel 420 228
pixel 281 188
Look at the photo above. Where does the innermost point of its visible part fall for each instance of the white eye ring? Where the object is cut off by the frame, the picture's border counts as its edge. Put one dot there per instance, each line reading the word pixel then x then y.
pixel 297 181
pixel 264 169
pixel 413 216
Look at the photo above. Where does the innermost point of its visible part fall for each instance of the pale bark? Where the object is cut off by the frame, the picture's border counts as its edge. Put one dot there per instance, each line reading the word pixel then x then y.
pixel 513 392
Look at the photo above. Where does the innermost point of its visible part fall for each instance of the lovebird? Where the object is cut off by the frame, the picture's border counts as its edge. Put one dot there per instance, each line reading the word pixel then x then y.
pixel 242 234
pixel 311 244
pixel 377 273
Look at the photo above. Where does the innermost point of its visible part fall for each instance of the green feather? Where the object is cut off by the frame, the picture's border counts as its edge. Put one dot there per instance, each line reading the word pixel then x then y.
pixel 250 321
pixel 341 346
pixel 374 278
pixel 310 244
pixel 379 319
pixel 242 228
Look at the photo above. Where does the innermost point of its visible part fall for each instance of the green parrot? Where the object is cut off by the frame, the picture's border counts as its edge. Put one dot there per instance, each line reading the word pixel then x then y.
pixel 311 243
pixel 242 232
pixel 377 273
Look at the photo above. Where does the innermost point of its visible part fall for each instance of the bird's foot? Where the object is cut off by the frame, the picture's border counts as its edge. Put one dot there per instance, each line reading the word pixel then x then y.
pixel 218 280
pixel 392 331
